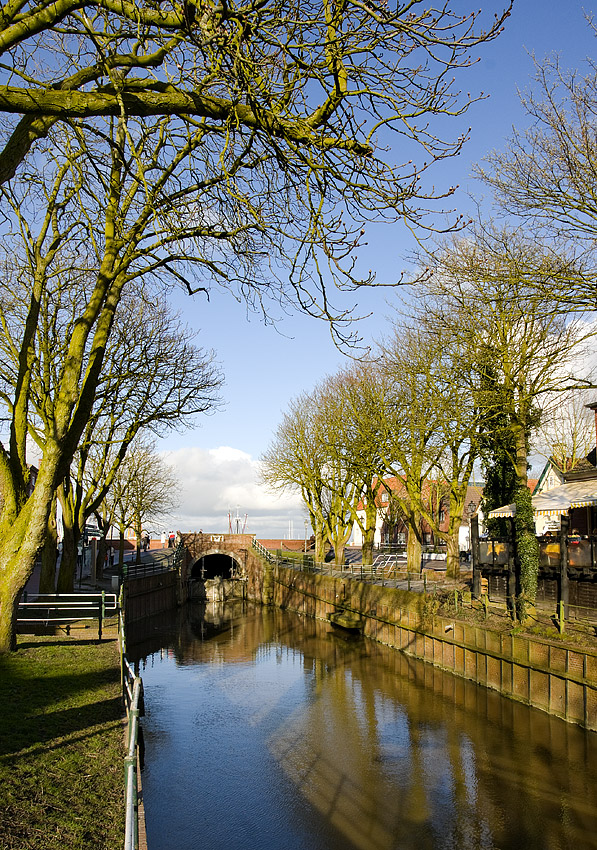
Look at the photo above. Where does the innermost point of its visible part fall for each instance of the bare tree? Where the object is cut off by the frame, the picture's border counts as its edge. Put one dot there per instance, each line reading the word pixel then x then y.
pixel 356 440
pixel 546 177
pixel 295 460
pixel 340 485
pixel 265 184
pixel 516 349
pixel 154 380
pixel 306 75
pixel 567 430
pixel 144 490
pixel 411 420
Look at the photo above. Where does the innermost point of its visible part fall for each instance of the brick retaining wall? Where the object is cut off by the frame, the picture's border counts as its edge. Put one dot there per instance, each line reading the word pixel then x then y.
pixel 558 679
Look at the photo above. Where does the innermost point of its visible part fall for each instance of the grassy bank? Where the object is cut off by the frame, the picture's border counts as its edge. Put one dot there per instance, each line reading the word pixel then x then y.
pixel 61 745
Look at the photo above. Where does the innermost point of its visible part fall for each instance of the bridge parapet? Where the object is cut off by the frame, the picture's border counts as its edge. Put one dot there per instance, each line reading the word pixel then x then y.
pixel 198 543
pixel 253 566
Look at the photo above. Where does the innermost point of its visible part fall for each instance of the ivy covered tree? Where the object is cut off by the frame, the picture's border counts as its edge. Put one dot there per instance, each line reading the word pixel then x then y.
pixel 518 350
pixel 497 452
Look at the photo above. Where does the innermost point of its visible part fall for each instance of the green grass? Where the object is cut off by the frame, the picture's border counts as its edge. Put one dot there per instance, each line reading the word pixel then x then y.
pixel 61 745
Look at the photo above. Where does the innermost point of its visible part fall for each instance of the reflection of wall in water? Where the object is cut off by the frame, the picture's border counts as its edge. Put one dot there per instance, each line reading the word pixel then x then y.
pixel 382 741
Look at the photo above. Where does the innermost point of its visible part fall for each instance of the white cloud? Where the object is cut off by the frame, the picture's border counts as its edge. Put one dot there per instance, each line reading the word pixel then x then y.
pixel 217 483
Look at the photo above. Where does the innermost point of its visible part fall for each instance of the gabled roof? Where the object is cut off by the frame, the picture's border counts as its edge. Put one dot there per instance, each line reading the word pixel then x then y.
pixel 585 468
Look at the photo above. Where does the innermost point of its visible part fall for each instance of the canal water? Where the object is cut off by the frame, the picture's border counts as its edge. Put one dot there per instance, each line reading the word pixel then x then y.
pixel 265 730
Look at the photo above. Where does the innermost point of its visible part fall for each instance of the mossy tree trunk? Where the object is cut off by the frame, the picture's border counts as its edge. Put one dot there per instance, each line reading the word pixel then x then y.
pixel 49 554
pixel 320 542
pixel 456 511
pixel 366 521
pixel 70 540
pixel 23 528
pixel 527 546
pixel 453 555
pixel 340 539
pixel 120 548
pixel 100 560
pixel 414 543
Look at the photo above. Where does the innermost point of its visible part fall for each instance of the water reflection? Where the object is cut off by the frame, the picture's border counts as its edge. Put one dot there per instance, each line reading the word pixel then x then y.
pixel 269 730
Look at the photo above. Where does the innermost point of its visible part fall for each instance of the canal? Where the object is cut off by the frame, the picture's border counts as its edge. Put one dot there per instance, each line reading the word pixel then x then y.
pixel 269 731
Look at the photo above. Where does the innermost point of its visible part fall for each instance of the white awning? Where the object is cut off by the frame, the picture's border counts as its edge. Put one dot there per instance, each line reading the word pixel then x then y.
pixel 506 510
pixel 558 500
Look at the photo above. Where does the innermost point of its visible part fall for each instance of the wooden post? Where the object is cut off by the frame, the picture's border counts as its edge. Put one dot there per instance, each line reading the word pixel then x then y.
pixel 512 590
pixel 476 557
pixel 564 582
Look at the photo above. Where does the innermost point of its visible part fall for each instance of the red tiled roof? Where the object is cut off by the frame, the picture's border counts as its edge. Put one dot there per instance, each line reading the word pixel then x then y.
pixel 278 543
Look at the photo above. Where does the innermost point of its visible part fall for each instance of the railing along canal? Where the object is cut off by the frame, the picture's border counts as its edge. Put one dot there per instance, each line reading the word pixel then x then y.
pixel 132 694
pixel 390 571
pixel 160 563
pixel 387 570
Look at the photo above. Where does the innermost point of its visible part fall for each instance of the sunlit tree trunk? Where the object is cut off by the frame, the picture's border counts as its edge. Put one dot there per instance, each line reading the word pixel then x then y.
pixel 456 510
pixel 71 536
pixel 121 548
pixel 414 547
pixel 527 546
pixel 49 554
pixel 22 535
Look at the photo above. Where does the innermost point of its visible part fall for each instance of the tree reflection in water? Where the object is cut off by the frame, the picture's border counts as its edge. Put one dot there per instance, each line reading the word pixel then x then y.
pixel 266 729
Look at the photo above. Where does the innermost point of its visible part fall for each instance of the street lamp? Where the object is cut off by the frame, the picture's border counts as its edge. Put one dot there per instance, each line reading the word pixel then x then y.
pixel 306 523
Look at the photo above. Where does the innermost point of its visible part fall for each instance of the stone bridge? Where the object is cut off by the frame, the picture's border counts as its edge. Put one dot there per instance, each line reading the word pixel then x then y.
pixel 222 566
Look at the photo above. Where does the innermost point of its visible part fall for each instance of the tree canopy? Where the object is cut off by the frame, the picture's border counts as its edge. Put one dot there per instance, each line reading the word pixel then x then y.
pixel 321 77
pixel 247 146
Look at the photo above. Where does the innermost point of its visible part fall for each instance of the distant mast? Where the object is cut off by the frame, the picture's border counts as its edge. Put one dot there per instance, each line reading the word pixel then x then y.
pixel 234 523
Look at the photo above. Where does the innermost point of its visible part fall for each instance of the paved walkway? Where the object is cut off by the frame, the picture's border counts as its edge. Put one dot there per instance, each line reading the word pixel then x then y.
pixel 83 578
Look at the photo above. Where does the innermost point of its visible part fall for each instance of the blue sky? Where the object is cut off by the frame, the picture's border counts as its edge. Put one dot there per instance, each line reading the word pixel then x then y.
pixel 265 366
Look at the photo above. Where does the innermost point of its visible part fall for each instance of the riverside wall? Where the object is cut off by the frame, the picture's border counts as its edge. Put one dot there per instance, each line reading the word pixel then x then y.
pixel 554 677
pixel 145 596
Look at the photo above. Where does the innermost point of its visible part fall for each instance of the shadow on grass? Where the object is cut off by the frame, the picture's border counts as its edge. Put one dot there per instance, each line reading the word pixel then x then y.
pixel 63 642
pixel 53 690
pixel 71 735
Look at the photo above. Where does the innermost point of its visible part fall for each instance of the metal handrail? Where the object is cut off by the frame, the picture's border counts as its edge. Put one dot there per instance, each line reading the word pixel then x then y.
pixel 66 608
pixel 166 564
pixel 132 695
pixel 131 834
pixel 263 551
pixel 373 573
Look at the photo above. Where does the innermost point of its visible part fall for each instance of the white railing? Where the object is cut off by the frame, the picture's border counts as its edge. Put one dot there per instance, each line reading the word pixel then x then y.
pixel 263 551
pixel 132 695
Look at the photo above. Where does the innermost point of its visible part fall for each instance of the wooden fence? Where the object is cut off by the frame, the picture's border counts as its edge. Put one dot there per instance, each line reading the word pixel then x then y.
pixel 567 571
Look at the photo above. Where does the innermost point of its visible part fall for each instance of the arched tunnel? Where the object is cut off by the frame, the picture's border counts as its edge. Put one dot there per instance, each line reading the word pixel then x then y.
pixel 211 566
